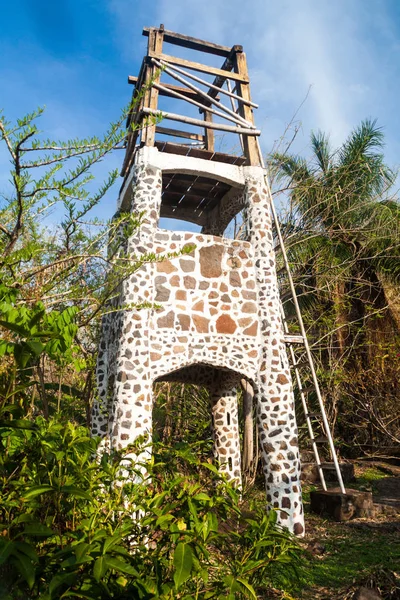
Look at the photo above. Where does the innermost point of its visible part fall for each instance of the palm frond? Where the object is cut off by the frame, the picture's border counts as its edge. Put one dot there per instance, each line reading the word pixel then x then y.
pixel 322 150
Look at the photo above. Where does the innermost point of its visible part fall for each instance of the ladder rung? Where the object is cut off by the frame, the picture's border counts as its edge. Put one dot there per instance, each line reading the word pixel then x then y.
pixel 307 390
pixel 320 440
pixel 301 363
pixel 313 415
pixel 294 339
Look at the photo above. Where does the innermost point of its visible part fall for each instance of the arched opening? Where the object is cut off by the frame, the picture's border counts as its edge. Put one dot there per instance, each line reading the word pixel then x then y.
pixel 199 403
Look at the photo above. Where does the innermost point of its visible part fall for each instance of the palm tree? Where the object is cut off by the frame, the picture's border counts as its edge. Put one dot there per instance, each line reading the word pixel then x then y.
pixel 343 240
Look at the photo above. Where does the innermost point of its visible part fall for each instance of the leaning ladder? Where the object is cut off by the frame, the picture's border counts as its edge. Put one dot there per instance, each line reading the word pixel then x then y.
pixel 301 339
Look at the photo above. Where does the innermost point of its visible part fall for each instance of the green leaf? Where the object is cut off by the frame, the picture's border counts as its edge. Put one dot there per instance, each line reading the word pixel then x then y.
pixel 111 541
pixel 76 492
pixel 61 579
pixel 36 347
pixel 100 568
pixel 249 588
pixel 202 496
pixel 26 568
pixel 36 490
pixel 22 331
pixel 183 562
pixel 6 549
pixel 39 530
pixel 120 566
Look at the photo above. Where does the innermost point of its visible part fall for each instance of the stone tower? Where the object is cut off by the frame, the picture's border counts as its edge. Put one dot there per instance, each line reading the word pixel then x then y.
pixel 214 308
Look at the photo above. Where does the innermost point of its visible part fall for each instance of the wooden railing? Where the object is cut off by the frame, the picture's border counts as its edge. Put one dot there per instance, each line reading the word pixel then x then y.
pixel 230 84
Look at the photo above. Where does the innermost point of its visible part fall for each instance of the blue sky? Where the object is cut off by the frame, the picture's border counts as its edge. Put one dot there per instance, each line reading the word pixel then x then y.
pixel 74 56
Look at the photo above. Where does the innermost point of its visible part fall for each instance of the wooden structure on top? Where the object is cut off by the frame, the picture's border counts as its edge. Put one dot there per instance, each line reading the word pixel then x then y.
pixel 224 104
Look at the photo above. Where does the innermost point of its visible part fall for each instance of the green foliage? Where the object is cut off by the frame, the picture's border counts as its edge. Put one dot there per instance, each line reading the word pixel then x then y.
pixel 74 527
pixel 342 234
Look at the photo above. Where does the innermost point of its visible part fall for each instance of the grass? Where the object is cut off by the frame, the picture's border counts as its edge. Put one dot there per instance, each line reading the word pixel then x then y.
pixel 352 555
pixel 360 552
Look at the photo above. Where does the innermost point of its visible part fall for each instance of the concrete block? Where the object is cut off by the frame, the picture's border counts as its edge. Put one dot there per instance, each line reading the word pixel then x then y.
pixel 342 507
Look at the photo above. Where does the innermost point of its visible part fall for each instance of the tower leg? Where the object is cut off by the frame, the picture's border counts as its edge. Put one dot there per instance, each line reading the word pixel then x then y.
pixel 280 453
pixel 226 428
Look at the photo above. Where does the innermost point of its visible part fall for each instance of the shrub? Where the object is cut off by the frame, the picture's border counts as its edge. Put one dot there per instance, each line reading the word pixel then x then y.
pixel 72 528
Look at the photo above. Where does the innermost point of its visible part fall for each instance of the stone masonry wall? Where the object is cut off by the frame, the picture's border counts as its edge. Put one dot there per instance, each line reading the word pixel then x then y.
pixel 213 318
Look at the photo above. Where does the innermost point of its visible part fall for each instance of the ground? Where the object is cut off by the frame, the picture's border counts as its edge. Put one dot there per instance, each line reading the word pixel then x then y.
pixel 365 552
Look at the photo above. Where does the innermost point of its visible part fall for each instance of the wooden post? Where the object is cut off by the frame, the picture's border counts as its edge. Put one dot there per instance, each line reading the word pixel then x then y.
pixel 154 47
pixel 249 142
pixel 208 133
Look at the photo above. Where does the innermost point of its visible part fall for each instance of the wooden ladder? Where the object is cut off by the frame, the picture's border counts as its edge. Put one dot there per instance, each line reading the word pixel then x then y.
pixel 293 341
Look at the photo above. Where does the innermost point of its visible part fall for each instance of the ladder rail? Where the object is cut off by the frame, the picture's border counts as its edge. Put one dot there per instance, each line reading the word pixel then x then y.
pixel 303 330
pixel 305 406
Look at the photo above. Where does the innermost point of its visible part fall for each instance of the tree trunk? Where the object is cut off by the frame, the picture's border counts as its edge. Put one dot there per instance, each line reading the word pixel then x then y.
pixel 248 434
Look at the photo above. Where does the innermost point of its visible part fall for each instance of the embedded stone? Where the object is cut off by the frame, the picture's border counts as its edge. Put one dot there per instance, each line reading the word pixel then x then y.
pixel 162 293
pixel 181 295
pixel 234 262
pixel 201 323
pixel 166 321
pixel 252 330
pixel 276 432
pixel 166 267
pixel 189 282
pixel 199 306
pixel 249 307
pixel 234 279
pixel 225 324
pixel 178 349
pixel 187 265
pixel 174 281
pixel 210 261
pixel 268 447
pixel 184 322
pixel 154 356
pixel 245 322
pixel 282 379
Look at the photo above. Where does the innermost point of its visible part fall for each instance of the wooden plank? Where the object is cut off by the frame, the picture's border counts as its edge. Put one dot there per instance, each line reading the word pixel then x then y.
pixel 194 191
pixel 179 133
pixel 194 66
pixel 250 146
pixel 182 119
pixel 199 189
pixel 190 42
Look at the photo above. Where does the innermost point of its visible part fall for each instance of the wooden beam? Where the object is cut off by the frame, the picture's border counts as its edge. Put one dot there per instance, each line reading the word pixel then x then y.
pixel 227 66
pixel 206 99
pixel 155 43
pixel 194 66
pixel 207 124
pixel 250 146
pixel 174 88
pixel 189 42
pixel 179 133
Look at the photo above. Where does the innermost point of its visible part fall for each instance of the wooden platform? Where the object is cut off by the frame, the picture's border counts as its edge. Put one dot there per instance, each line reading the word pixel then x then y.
pixel 190 197
pixel 185 150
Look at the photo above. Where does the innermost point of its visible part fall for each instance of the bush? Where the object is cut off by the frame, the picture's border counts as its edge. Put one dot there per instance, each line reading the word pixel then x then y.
pixel 69 529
